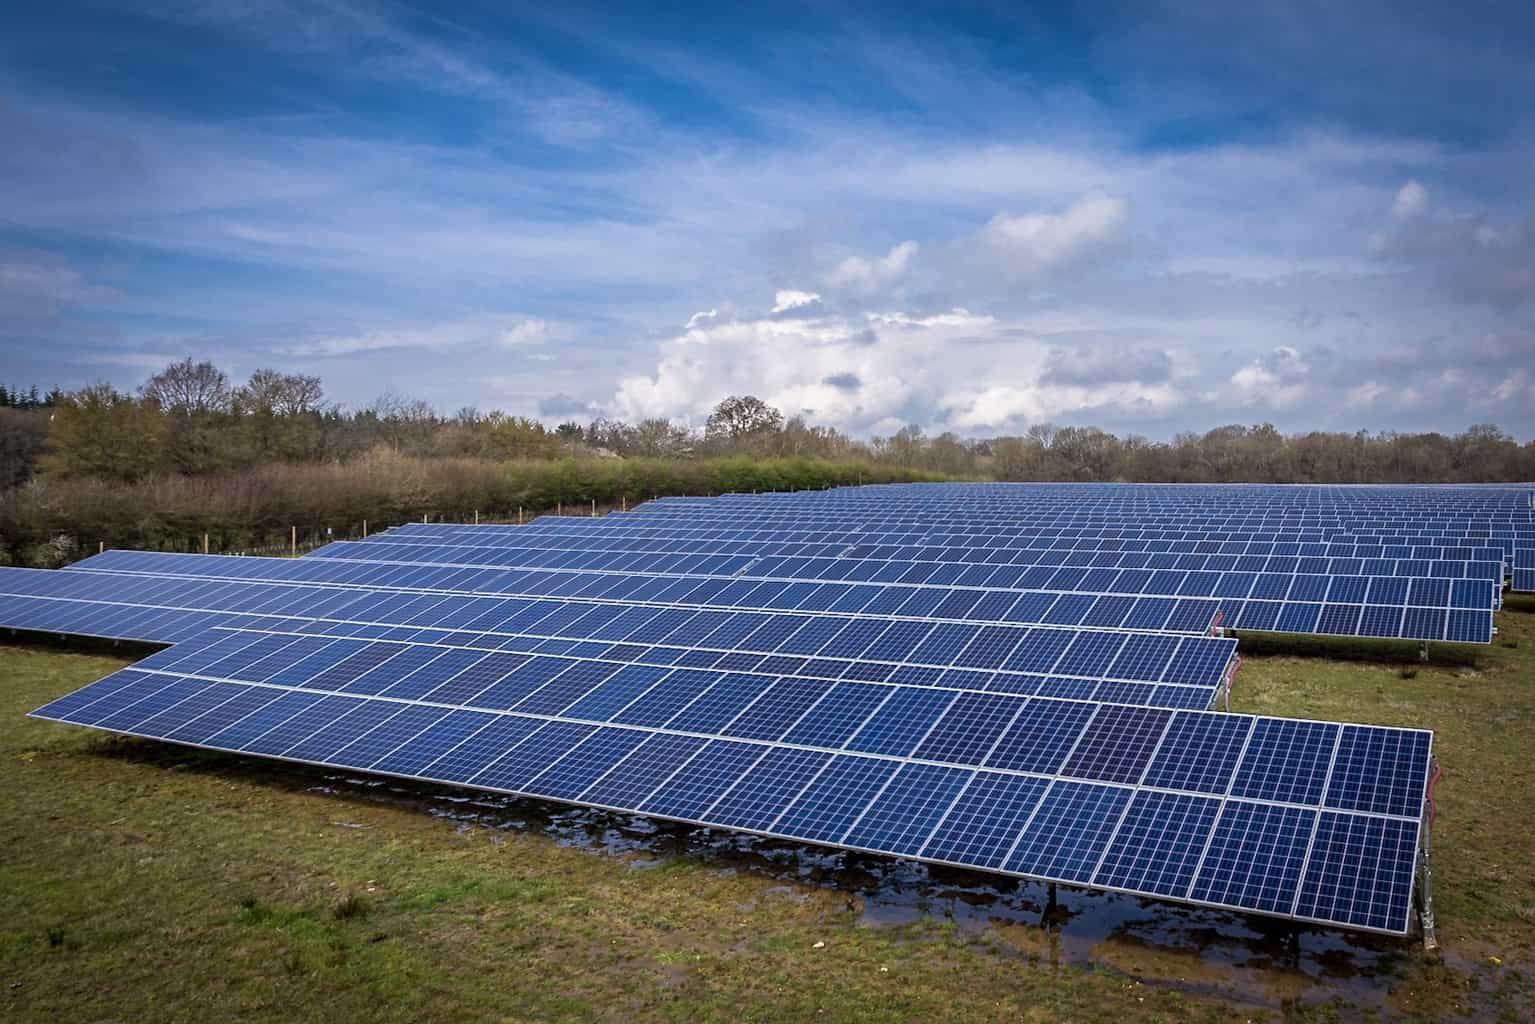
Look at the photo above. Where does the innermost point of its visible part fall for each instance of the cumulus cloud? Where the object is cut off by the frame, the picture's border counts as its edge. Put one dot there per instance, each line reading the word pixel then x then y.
pixel 875 371
pixel 1030 245
pixel 1274 381
pixel 789 298
pixel 527 333
pixel 1411 200
pixel 865 277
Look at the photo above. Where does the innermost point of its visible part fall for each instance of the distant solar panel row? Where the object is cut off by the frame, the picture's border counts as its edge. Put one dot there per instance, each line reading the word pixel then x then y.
pixel 620 533
pixel 1264 815
pixel 1456 611
pixel 525 548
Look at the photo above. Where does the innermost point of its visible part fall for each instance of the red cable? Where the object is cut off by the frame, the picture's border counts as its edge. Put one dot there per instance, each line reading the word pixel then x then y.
pixel 1433 777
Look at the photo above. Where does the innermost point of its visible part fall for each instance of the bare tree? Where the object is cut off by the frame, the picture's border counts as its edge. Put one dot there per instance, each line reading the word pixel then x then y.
pixel 187 388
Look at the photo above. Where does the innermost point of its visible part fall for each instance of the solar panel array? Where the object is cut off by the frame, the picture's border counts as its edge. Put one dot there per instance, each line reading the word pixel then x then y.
pixel 1003 677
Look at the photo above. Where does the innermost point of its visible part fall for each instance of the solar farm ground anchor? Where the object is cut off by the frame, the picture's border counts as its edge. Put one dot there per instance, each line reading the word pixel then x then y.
pixel 1425 865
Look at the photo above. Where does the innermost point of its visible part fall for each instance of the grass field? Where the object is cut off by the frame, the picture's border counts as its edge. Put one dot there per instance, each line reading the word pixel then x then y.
pixel 142 882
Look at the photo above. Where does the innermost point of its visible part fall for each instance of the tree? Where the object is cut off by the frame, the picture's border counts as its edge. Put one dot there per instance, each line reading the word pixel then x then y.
pixel 657 438
pixel 187 388
pixel 22 435
pixel 98 431
pixel 280 394
pixel 281 415
pixel 741 421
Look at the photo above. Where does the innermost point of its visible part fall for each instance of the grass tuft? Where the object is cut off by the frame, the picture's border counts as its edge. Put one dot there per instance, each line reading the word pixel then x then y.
pixel 353 908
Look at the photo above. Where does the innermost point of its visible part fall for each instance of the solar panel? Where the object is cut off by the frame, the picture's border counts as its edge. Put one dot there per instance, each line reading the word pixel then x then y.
pixel 962 779
pixel 1524 569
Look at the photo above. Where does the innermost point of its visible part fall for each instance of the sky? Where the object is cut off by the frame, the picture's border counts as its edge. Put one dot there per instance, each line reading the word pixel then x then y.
pixel 1149 217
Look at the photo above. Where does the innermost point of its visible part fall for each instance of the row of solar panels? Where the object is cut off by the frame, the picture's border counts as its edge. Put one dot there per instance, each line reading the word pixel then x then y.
pixel 1260 557
pixel 800 527
pixel 1105 572
pixel 1259 814
pixel 1438 610
pixel 1170 670
pixel 1223 496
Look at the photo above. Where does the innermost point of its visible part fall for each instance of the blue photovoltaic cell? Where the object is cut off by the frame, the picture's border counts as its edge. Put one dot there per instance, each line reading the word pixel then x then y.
pixel 712 770
pixel 467 759
pixel 911 805
pixel 1069 830
pixel 1158 844
pixel 779 707
pixel 985 820
pixel 719 704
pixel 413 756
pixel 1286 761
pixel 757 800
pixel 1379 770
pixel 587 762
pixel 829 806
pixel 899 725
pixel 969 729
pixel 1255 856
pixel 637 775
pixel 1198 753
pixel 838 715
pixel 1040 736
pixel 551 742
pixel 1360 869
pixel 1117 743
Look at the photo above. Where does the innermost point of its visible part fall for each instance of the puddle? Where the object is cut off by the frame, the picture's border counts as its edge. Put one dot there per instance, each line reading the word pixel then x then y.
pixel 1247 960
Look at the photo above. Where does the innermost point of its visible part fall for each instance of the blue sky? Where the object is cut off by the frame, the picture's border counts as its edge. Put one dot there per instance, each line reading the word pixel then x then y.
pixel 1149 217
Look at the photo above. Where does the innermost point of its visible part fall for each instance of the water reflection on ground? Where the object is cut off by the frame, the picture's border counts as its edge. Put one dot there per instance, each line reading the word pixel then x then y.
pixel 1246 959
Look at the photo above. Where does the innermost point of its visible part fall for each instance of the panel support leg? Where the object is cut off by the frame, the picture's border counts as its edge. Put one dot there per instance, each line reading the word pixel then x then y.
pixel 1426 897
pixel 1422 650
pixel 1425 864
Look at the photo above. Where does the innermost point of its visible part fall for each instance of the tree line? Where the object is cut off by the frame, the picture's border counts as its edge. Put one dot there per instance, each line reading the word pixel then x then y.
pixel 193 453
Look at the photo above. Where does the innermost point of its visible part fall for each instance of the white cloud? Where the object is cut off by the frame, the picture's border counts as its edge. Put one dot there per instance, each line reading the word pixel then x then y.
pixel 525 334
pixel 698 318
pixel 1411 200
pixel 862 372
pixel 789 298
pixel 1364 395
pixel 1275 381
pixel 1515 385
pixel 864 277
pixel 1032 244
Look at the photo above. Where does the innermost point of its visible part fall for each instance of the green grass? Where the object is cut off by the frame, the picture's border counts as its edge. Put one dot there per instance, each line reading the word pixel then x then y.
pixel 144 882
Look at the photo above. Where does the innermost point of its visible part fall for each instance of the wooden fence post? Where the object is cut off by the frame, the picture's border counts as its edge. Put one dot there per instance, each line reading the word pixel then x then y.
pixel 293 541
pixel 101 546
pixel 519 515
pixel 476 517
pixel 365 529
pixel 594 508
pixel 205 543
